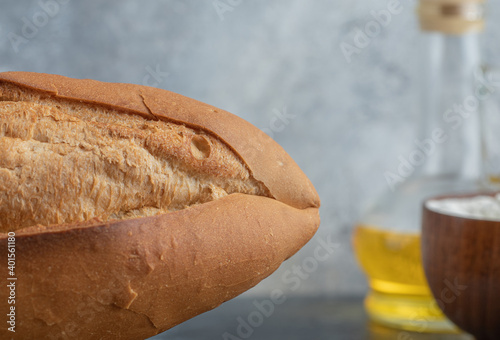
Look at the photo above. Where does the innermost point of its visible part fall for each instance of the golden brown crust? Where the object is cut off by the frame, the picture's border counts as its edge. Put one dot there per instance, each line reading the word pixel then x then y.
pixel 67 164
pixel 135 278
pixel 281 175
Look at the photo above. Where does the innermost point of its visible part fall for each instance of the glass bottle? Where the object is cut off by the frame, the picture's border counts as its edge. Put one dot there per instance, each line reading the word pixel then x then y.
pixel 446 158
pixel 490 114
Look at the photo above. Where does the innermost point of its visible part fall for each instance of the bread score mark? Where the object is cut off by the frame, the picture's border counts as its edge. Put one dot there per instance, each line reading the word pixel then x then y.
pixel 67 162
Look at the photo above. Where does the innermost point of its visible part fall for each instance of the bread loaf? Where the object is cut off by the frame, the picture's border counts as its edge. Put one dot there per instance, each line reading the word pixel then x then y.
pixel 133 209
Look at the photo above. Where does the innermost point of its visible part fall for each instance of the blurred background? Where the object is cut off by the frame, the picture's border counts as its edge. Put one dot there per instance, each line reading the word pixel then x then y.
pixel 294 68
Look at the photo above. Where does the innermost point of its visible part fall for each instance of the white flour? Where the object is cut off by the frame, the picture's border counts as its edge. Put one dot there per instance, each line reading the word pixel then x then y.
pixel 483 207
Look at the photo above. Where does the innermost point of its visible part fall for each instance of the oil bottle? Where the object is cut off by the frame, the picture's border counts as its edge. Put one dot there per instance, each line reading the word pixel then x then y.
pixel 446 158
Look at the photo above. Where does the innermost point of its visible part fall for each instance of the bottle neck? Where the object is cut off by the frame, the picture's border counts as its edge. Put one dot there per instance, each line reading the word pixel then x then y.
pixel 450 105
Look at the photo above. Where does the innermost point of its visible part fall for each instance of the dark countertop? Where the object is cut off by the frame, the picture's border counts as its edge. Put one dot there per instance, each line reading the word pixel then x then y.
pixel 294 319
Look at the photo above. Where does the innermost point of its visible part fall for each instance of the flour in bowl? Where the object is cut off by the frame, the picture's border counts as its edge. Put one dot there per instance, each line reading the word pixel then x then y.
pixel 483 207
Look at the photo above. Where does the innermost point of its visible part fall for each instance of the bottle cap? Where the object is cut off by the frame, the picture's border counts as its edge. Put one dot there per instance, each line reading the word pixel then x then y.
pixel 451 16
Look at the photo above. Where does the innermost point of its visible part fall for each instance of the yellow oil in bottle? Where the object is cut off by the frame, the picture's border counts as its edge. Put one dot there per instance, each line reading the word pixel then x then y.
pixel 399 295
pixel 494 179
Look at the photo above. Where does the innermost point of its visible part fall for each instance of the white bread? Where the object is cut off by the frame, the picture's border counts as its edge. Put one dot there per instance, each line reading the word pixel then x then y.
pixel 136 208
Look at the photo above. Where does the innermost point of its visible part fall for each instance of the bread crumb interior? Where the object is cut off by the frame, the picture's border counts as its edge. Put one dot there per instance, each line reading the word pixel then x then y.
pixel 62 161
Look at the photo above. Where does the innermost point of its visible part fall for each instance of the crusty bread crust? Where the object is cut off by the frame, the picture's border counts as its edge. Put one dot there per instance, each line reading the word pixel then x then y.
pixel 267 161
pixel 131 278
pixel 105 164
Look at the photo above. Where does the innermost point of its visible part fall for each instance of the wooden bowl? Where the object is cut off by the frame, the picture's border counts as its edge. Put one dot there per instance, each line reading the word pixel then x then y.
pixel 461 259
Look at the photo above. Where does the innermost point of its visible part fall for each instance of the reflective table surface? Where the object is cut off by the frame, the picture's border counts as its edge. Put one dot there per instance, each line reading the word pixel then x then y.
pixel 292 319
